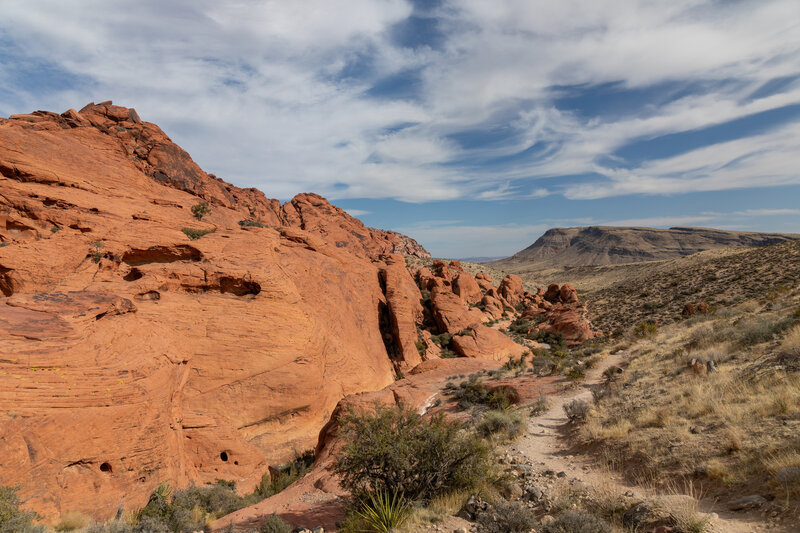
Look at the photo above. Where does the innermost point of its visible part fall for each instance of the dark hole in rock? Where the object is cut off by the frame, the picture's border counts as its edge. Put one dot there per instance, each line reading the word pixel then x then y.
pixel 133 275
pixel 106 467
pixel 224 456
pixel 236 463
pixel 238 286
pixel 161 254
pixel 80 228
pixel 149 295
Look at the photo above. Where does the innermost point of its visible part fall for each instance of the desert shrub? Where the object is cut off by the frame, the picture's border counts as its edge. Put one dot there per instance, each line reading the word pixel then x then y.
pixel 645 329
pixel 395 450
pixel 508 517
pixel 505 424
pixel 188 509
pixel 468 332
pixel 12 518
pixel 426 295
pixel 577 410
pixel 761 329
pixel 520 326
pixel 275 524
pixel 790 346
pixel 577 522
pixel 195 234
pixel 72 520
pixel 290 472
pixel 554 340
pixel 249 223
pixel 443 339
pixel 540 405
pixel 447 353
pixel 200 210
pixel 576 372
pixel 421 348
pixel 381 511
pixel 474 392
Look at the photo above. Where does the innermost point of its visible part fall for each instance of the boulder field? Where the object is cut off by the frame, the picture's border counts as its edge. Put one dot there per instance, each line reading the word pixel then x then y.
pixel 159 324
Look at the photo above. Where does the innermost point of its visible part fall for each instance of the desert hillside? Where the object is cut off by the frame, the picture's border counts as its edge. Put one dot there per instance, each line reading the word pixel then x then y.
pixel 601 245
pixel 159 325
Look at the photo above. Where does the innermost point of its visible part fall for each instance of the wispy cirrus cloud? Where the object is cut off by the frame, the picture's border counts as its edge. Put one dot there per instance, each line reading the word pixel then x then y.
pixel 451 100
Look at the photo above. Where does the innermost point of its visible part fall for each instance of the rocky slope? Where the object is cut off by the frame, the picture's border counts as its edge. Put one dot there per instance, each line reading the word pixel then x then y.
pixel 598 245
pixel 143 341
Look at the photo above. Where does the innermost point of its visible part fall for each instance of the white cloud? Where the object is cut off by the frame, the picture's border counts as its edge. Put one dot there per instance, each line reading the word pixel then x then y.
pixel 254 89
pixel 358 212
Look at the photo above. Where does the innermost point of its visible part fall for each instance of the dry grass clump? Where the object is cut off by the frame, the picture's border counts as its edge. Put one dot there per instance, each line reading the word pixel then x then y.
pixel 790 347
pixel 724 426
pixel 71 521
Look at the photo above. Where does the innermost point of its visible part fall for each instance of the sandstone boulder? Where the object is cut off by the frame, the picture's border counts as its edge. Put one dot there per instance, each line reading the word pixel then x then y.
pixel 404 312
pixel 465 286
pixel 511 289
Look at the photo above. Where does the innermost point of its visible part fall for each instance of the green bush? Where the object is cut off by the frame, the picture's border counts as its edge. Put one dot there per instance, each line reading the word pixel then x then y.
pixel 443 339
pixel 447 353
pixel 474 392
pixel 200 210
pixel 397 451
pixel 421 348
pixel 505 424
pixel 762 329
pixel 275 524
pixel 508 517
pixel 555 340
pixel 520 326
pixel 382 511
pixel 645 329
pixel 187 510
pixel 12 518
pixel 577 522
pixel 195 234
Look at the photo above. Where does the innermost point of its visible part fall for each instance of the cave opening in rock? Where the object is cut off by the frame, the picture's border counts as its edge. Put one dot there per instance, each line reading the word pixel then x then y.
pixel 133 275
pixel 106 467
pixel 224 456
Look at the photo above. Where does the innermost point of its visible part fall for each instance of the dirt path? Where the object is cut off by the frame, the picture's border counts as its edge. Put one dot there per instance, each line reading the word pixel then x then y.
pixel 545 447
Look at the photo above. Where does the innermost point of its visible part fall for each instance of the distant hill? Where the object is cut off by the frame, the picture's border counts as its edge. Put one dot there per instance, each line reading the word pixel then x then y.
pixel 605 245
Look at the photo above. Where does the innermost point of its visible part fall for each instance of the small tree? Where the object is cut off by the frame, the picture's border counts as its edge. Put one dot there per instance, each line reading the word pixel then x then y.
pixel 12 518
pixel 201 209
pixel 396 451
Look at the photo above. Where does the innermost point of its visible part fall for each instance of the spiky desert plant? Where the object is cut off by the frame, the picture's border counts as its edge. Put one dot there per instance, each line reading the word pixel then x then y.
pixel 384 511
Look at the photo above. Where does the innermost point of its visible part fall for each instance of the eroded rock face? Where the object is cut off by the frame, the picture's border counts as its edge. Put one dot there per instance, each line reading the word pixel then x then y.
pixel 133 355
pixel 404 308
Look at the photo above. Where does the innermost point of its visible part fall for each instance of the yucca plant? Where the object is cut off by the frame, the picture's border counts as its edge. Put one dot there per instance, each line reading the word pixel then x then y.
pixel 384 511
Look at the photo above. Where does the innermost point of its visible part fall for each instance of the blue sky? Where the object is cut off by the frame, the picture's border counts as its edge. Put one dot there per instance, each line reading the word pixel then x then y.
pixel 471 125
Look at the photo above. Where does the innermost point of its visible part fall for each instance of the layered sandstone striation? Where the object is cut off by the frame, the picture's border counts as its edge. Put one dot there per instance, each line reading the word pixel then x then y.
pixel 140 343
pixel 131 354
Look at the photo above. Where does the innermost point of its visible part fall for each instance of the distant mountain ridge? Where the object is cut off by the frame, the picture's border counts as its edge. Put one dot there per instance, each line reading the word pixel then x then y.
pixel 609 245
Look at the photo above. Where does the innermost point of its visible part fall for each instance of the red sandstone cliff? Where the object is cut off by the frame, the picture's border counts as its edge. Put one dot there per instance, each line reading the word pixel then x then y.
pixel 131 354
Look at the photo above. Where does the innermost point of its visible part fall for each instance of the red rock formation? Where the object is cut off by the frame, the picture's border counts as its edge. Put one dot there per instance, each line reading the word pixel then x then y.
pixel 465 286
pixel 317 498
pixel 133 355
pixel 568 294
pixel 553 293
pixel 484 281
pixel 511 289
pixel 405 312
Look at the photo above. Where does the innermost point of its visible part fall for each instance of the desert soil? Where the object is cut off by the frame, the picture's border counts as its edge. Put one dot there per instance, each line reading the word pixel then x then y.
pixel 546 447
